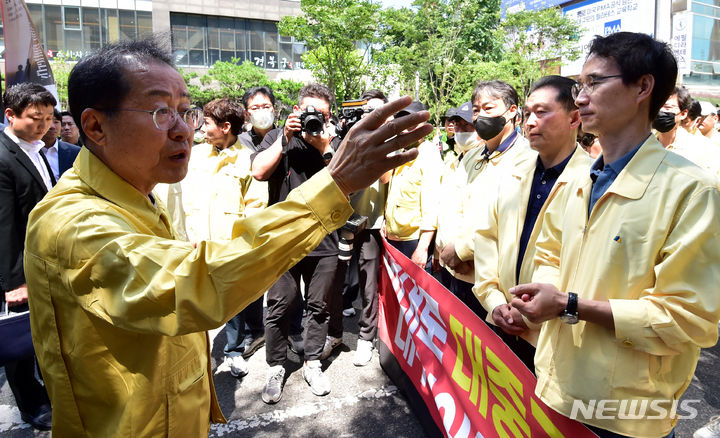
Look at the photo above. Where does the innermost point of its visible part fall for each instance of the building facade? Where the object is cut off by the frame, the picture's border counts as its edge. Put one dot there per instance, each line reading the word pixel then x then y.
pixel 692 27
pixel 202 31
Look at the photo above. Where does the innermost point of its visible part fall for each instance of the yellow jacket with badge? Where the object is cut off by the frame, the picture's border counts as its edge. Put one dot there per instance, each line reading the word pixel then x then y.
pixel 412 195
pixel 218 190
pixel 651 247
pixel 119 309
pixel 498 233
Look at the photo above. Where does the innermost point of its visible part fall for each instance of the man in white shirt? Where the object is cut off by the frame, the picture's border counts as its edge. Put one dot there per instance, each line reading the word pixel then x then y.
pixel 59 154
pixel 24 180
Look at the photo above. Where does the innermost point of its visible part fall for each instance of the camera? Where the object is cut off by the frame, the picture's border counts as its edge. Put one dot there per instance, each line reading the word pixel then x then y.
pixel 351 111
pixel 347 234
pixel 312 121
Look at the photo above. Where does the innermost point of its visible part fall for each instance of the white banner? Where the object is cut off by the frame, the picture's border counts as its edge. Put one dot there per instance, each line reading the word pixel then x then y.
pixel 682 41
pixel 603 17
pixel 25 59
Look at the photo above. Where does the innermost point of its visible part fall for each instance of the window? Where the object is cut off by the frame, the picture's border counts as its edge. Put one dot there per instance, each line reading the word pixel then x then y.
pixel 53 28
pixel 91 29
pixel 199 40
pixel 144 24
pixel 128 29
pixel 71 18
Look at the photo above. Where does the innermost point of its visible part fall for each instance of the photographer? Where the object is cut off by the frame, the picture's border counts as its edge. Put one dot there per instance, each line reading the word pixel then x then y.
pixel 304 149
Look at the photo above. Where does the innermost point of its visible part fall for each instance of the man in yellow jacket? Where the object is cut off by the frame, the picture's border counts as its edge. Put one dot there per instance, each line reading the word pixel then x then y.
pixel 496 112
pixel 119 308
pixel 506 232
pixel 628 257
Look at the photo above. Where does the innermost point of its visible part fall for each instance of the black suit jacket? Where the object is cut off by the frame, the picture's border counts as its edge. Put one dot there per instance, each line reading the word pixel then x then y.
pixel 21 188
pixel 67 152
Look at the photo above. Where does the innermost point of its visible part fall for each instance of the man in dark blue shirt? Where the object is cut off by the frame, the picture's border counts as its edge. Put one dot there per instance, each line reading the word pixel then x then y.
pixel 502 260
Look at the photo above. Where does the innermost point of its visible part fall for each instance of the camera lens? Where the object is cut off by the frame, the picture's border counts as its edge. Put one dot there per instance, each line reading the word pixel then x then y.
pixel 313 125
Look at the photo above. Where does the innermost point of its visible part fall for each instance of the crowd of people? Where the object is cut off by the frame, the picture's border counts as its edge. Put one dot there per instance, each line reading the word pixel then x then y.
pixel 582 226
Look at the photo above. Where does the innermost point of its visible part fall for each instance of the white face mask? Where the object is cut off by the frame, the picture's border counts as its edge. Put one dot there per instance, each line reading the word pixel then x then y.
pixel 262 119
pixel 464 141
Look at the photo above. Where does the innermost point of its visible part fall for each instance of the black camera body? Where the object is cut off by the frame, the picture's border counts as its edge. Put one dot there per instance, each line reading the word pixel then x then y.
pixel 312 121
pixel 347 233
pixel 351 111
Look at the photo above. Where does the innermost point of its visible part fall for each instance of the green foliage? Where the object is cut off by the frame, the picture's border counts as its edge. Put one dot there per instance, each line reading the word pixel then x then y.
pixel 231 79
pixel 439 42
pixel 337 34
pixel 61 72
pixel 449 45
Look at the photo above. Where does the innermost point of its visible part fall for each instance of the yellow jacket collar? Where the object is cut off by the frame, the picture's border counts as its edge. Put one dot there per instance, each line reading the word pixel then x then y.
pixel 110 186
pixel 634 179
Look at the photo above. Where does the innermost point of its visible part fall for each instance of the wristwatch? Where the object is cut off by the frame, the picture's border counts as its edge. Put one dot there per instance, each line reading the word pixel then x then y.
pixel 327 156
pixel 570 314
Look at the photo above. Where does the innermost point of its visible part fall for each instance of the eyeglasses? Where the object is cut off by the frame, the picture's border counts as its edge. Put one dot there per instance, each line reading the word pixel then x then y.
pixel 165 118
pixel 267 106
pixel 590 85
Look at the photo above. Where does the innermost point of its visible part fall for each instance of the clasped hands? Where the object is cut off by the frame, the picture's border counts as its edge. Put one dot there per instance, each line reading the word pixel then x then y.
pixel 538 302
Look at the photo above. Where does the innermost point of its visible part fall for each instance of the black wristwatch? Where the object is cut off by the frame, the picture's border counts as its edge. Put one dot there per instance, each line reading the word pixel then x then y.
pixel 570 314
pixel 327 156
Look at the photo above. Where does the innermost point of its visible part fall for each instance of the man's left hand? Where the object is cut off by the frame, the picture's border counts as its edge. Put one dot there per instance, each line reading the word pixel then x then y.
pixel 539 302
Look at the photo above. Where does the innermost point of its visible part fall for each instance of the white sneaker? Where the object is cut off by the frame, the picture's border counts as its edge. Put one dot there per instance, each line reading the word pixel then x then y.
pixel 350 311
pixel 710 430
pixel 272 392
pixel 238 366
pixel 363 353
pixel 331 343
pixel 313 375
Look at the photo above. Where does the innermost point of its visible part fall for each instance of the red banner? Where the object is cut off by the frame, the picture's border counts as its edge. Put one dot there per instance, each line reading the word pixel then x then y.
pixel 472 383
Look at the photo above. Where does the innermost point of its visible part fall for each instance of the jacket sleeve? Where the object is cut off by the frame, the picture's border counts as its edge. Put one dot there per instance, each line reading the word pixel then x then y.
pixel 11 244
pixel 684 305
pixel 486 253
pixel 145 283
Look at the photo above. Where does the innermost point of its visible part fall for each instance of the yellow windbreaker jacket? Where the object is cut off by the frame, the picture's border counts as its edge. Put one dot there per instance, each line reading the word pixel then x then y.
pixel 218 190
pixel 412 195
pixel 119 309
pixel 651 247
pixel 499 230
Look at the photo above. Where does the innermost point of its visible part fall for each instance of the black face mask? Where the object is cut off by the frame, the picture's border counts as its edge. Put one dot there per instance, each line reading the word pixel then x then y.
pixel 489 127
pixel 664 122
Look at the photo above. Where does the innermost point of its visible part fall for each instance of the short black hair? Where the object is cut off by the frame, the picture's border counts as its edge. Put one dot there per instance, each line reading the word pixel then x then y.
pixel 497 89
pixel 56 115
pixel 98 80
pixel 318 91
pixel 225 110
pixel 251 92
pixel 694 110
pixel 683 97
pixel 638 54
pixel 374 93
pixel 65 113
pixel 563 87
pixel 20 96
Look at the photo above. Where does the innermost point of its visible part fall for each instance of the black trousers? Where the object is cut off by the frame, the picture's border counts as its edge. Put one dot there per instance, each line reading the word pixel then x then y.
pixel 29 393
pixel 323 277
pixel 366 253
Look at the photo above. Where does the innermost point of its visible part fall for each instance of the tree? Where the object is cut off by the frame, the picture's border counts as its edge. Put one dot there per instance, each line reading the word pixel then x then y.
pixel 61 68
pixel 449 45
pixel 338 35
pixel 536 42
pixel 439 42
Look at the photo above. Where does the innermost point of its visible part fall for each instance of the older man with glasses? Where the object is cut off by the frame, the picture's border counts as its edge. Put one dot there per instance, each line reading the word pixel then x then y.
pixel 119 307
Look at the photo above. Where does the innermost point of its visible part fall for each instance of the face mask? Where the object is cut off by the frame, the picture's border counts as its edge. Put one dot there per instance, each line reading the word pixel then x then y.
pixel 262 119
pixel 489 127
pixel 664 122
pixel 464 141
